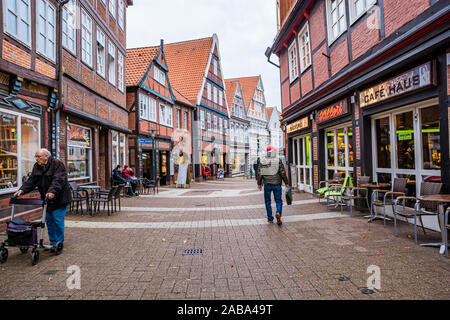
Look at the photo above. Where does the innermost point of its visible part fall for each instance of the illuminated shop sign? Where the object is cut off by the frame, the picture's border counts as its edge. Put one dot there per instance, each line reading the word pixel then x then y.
pixel 333 111
pixel 414 79
pixel 298 125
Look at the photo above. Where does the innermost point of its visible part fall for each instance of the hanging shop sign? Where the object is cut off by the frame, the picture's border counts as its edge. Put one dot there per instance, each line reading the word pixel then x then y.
pixel 333 111
pixel 412 80
pixel 298 125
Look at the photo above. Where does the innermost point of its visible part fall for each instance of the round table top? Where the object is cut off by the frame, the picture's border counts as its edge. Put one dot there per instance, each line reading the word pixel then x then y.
pixel 89 187
pixel 376 185
pixel 435 198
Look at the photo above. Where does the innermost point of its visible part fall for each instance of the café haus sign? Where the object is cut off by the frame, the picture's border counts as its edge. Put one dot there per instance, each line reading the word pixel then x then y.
pixel 411 80
pixel 338 109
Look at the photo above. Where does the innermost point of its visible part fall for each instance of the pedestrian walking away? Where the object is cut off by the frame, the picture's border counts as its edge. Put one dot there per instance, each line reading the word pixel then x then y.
pixel 271 173
pixel 49 175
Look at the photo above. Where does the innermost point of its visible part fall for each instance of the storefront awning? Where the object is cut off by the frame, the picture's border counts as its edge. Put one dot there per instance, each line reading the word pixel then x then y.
pixel 85 115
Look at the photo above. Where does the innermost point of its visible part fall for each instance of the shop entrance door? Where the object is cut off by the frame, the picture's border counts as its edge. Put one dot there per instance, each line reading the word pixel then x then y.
pixel 164 167
pixel 339 151
pixel 303 163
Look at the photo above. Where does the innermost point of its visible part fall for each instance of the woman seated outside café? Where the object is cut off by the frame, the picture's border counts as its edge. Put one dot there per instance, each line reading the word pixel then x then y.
pixel 128 175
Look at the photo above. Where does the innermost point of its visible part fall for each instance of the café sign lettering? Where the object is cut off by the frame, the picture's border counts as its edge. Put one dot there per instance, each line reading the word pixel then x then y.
pixel 333 111
pixel 298 125
pixel 414 79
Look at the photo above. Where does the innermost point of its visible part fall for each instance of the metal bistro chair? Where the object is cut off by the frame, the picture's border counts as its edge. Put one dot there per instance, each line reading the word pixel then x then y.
pixel 148 184
pixel 447 227
pixel 116 195
pixel 336 192
pixel 323 185
pixel 420 209
pixel 102 197
pixel 356 193
pixel 398 189
pixel 77 197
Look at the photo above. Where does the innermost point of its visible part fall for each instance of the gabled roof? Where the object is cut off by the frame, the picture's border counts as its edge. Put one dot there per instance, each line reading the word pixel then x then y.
pixel 269 112
pixel 179 97
pixel 248 85
pixel 137 62
pixel 187 62
pixel 230 89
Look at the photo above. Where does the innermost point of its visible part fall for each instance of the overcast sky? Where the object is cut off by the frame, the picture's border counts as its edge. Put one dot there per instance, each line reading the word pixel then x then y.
pixel 245 29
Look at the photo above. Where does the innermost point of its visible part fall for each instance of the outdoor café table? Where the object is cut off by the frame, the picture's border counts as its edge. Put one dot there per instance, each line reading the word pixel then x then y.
pixel 441 199
pixel 370 187
pixel 89 195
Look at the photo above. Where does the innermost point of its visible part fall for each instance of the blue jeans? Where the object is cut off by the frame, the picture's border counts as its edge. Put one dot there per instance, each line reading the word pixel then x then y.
pixel 55 225
pixel 268 188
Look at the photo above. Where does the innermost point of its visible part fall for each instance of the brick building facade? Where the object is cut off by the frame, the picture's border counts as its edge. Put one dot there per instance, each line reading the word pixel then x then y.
pixel 364 89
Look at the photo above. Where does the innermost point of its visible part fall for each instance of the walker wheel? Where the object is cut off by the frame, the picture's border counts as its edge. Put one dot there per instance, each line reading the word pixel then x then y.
pixel 34 257
pixel 3 255
pixel 58 248
pixel 24 249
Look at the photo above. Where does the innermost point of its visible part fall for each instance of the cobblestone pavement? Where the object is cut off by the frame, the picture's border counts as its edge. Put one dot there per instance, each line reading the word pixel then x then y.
pixel 138 253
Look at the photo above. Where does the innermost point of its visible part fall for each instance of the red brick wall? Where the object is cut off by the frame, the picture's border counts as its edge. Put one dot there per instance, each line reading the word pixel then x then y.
pixel 366 35
pixel 284 65
pixel 295 92
pixel 16 55
pixel 317 26
pixel 339 57
pixel 397 13
pixel 45 69
pixel 306 82
pixel 320 66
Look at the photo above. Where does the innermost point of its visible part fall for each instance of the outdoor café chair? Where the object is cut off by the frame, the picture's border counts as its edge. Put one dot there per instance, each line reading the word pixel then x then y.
pixel 356 193
pixel 398 189
pixel 325 186
pixel 106 199
pixel 336 192
pixel 446 228
pixel 420 209
pixel 77 197
pixel 148 184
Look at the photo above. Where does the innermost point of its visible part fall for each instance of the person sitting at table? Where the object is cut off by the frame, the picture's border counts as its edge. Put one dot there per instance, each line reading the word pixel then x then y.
pixel 117 176
pixel 128 175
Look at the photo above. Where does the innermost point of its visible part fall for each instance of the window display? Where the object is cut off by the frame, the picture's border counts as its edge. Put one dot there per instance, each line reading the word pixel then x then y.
pixel 79 155
pixel 9 152
pixel 431 135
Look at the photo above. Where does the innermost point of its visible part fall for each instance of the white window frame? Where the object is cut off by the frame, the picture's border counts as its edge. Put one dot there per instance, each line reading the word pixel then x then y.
pixel 101 52
pixel 304 46
pixel 220 98
pixel 69 29
pixel 49 49
pixel 215 129
pixel 208 91
pixel 347 168
pixel 167 113
pixel 112 63
pixel 202 120
pixel 225 127
pixel 178 118
pixel 293 61
pixel 332 38
pixel 215 94
pixel 22 23
pixel 394 171
pixel 90 177
pixel 120 71
pixel 220 126
pixel 86 38
pixel 159 75
pixel 305 184
pixel 367 5
pixel 19 147
pixel 121 14
pixel 143 106
pixel 185 120
pixel 208 121
pixel 112 8
pixel 215 68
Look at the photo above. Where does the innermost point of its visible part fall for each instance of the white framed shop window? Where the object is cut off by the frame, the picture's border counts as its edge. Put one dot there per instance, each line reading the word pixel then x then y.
pixel 293 61
pixel 79 160
pixel 17 20
pixel 406 143
pixel 302 153
pixel 339 150
pixel 118 149
pixel 20 138
pixel 336 19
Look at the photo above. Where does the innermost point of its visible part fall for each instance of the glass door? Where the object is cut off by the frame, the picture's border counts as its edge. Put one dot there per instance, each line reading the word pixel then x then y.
pixel 303 162
pixel 339 151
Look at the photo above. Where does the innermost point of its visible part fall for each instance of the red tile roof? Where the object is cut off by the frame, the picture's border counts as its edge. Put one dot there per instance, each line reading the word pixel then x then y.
pixel 269 112
pixel 187 63
pixel 230 90
pixel 248 85
pixel 137 62
pixel 180 97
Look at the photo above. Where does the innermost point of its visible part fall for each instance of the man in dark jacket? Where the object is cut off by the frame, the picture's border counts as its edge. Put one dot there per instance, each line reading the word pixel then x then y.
pixel 50 177
pixel 271 171
pixel 117 176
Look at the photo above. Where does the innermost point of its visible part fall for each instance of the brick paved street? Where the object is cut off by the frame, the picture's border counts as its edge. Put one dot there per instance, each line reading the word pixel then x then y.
pixel 138 253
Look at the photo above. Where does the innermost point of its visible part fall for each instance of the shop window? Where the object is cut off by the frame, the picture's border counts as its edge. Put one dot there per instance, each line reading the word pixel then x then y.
pixel 405 140
pixel 340 151
pixel 122 153
pixel 79 161
pixel 383 143
pixel 431 135
pixel 17 160
pixel 330 148
pixel 115 148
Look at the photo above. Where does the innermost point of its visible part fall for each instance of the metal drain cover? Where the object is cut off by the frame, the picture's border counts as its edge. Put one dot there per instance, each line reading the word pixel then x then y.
pixel 367 291
pixel 200 205
pixel 192 251
pixel 344 278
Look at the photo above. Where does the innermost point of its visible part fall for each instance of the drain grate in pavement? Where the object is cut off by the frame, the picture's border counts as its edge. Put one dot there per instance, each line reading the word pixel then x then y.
pixel 192 252
pixel 200 205
pixel 51 272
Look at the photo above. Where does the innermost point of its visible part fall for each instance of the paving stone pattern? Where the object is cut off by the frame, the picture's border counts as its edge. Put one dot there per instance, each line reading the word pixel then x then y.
pixel 299 260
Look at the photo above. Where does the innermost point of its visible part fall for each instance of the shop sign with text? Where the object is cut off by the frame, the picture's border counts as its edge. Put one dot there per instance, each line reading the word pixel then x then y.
pixel 414 79
pixel 298 125
pixel 333 111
